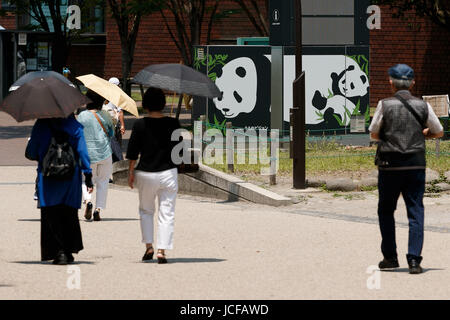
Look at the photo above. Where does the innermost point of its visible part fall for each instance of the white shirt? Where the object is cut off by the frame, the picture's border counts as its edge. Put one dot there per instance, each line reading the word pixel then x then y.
pixel 113 110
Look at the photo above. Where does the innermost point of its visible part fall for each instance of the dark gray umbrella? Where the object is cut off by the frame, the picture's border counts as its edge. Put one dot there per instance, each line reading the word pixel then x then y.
pixel 43 98
pixel 39 74
pixel 178 78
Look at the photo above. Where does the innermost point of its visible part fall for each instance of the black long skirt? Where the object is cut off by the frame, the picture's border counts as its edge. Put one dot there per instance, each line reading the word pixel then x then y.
pixel 60 231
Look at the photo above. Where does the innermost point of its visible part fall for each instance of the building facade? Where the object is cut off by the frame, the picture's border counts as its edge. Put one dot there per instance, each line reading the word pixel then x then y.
pixel 414 40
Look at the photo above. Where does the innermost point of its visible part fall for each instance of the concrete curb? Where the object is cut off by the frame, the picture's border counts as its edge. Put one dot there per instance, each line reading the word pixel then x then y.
pixel 213 183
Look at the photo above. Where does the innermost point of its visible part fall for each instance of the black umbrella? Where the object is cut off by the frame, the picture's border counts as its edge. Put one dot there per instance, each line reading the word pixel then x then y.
pixel 43 98
pixel 178 78
pixel 39 74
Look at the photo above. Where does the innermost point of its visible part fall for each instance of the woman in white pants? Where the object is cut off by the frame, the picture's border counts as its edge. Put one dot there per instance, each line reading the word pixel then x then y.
pixel 156 176
pixel 98 130
pixel 101 173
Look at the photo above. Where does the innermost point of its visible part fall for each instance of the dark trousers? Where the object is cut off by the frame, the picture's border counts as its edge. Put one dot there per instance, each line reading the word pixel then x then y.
pixel 411 184
pixel 60 231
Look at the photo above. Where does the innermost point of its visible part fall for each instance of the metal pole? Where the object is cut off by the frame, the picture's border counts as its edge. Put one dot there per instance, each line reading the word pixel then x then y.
pixel 298 136
pixel 230 147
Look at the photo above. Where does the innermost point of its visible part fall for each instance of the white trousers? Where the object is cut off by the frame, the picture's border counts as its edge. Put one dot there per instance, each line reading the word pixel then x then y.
pixel 101 172
pixel 163 186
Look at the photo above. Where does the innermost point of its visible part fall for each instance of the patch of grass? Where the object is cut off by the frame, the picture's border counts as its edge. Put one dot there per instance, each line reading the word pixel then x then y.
pixel 432 189
pixel 330 158
pixel 368 188
pixel 432 195
pixel 349 196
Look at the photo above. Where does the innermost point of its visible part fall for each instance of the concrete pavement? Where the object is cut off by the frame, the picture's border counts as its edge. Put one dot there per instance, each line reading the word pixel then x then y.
pixel 222 251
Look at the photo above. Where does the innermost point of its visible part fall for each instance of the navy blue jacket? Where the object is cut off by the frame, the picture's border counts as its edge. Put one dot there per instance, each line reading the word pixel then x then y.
pixel 53 192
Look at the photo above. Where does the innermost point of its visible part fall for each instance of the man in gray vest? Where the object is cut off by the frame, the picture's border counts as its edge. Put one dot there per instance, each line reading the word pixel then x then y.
pixel 401 124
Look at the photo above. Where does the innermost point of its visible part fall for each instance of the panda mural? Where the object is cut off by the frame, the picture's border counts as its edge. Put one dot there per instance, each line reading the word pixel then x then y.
pixel 343 91
pixel 243 80
pixel 337 87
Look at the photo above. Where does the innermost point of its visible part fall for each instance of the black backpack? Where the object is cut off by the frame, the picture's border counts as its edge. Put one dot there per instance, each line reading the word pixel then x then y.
pixel 59 161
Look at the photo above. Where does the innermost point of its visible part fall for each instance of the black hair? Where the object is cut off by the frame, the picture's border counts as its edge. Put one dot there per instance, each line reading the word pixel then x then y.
pixel 97 100
pixel 154 99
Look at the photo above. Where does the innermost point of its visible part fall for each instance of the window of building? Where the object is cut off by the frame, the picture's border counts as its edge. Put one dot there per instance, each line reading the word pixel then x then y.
pixel 6 5
pixel 92 19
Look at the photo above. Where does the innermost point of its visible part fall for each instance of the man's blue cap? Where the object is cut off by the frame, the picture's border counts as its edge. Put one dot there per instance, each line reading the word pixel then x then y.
pixel 401 72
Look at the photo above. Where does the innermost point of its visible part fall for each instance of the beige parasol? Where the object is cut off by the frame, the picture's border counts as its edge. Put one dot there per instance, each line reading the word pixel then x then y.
pixel 110 92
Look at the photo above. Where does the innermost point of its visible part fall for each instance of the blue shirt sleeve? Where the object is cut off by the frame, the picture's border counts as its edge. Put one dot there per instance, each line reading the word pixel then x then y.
pixel 32 150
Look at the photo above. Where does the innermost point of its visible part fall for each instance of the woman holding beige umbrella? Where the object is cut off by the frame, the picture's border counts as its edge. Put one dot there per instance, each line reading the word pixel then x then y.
pixel 98 130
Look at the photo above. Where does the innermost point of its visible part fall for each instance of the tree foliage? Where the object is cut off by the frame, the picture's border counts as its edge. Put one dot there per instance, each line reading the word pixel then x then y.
pixel 257 17
pixel 190 16
pixel 437 10
pixel 128 15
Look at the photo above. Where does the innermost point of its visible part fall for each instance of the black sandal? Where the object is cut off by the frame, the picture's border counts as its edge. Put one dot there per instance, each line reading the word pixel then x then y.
pixel 148 254
pixel 161 258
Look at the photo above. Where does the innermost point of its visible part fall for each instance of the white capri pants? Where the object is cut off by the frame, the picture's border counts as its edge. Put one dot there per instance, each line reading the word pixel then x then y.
pixel 164 186
pixel 101 173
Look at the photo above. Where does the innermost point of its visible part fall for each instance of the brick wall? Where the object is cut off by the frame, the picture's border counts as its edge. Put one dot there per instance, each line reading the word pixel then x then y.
pixel 86 59
pixel 154 44
pixel 415 41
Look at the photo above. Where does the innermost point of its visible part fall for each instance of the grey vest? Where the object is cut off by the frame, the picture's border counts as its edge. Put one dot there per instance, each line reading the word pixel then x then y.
pixel 400 131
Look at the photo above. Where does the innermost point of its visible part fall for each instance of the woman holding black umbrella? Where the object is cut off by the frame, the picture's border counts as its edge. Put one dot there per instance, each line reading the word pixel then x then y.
pixel 59 199
pixel 156 175
pixel 57 143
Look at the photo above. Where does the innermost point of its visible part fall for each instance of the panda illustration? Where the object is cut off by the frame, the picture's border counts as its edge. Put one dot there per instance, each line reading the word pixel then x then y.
pixel 348 88
pixel 245 91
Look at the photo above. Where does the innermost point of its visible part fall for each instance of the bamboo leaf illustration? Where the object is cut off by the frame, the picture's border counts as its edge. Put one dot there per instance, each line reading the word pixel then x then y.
pixel 213 76
pixel 338 120
pixel 330 94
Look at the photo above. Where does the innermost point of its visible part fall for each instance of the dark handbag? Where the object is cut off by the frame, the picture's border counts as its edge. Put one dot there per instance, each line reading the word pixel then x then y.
pixel 115 145
pixel 189 167
pixel 116 150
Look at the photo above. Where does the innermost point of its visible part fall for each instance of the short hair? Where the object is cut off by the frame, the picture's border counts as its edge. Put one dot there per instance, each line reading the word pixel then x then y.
pixel 402 84
pixel 154 99
pixel 97 100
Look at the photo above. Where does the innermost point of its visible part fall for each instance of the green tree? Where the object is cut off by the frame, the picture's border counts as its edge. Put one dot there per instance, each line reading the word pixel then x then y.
pixel 128 15
pixel 190 16
pixel 257 17
pixel 437 10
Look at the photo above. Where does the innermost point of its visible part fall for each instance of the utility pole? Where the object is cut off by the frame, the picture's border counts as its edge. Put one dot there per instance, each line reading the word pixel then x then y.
pixel 297 113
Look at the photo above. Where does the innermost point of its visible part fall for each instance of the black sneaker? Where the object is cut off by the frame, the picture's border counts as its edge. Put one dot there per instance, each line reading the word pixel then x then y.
pixel 61 259
pixel 88 211
pixel 70 257
pixel 389 263
pixel 97 215
pixel 414 266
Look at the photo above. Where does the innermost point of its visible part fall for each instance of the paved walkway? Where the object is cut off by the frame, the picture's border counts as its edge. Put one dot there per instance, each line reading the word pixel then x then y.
pixel 222 251
pixel 320 248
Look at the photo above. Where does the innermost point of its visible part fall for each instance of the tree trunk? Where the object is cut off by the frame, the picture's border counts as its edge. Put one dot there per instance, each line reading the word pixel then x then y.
pixel 60 53
pixel 127 62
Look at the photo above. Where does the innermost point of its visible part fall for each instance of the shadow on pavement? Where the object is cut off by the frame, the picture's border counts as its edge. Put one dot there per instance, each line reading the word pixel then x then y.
pixel 14 132
pixel 188 260
pixel 50 262
pixel 406 270
pixel 111 219
pixel 6 286
pixel 103 219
